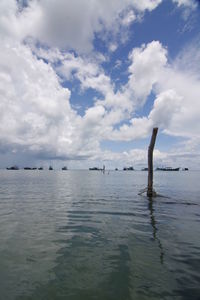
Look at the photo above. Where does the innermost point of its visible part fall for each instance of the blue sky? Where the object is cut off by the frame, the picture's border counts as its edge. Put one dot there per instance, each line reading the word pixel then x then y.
pixel 83 83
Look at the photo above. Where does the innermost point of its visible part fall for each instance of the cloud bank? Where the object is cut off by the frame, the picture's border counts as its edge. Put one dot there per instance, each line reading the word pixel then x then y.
pixel 36 57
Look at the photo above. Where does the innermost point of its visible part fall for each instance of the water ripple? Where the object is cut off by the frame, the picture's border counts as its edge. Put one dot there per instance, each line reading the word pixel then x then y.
pixel 82 235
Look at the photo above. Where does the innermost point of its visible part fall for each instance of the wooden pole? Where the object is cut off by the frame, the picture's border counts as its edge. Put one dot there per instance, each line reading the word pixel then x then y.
pixel 150 192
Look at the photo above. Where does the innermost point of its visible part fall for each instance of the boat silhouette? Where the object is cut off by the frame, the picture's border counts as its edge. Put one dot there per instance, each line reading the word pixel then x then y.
pixel 167 169
pixel 64 169
pixel 13 168
pixel 128 169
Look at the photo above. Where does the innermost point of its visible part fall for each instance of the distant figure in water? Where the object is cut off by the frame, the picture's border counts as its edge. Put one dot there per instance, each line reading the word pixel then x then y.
pixel 104 169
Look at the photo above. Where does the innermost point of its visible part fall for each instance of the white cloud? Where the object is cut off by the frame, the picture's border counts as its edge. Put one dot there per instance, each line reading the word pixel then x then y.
pixel 147 63
pixel 113 47
pixel 187 3
pixel 136 129
pixel 166 105
pixel 71 24
pixel 187 61
pixel 78 67
pixel 146 66
pixel 176 108
pixel 129 18
pixel 18 24
pixel 34 109
pixel 187 6
pixel 146 4
pixel 185 122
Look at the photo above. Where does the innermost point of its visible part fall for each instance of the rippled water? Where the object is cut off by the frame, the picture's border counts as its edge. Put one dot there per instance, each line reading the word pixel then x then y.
pixel 82 235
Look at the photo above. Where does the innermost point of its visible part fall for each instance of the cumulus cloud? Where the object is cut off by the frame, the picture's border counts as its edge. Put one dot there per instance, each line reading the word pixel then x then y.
pixel 33 107
pixel 147 63
pixel 166 105
pixel 146 66
pixel 71 24
pixel 36 112
pixel 176 108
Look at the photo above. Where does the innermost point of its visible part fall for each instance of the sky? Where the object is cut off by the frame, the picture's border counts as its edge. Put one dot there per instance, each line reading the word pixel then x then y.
pixel 83 82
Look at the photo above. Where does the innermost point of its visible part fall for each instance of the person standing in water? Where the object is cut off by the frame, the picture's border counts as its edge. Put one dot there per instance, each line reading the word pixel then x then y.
pixel 104 169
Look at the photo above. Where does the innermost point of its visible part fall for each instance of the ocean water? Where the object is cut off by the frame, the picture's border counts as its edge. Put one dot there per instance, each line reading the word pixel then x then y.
pixel 82 235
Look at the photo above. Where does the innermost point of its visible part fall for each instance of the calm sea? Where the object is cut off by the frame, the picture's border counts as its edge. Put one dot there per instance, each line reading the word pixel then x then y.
pixel 82 235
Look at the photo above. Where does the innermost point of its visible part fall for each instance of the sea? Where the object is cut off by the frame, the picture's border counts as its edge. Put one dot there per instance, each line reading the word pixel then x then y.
pixel 85 235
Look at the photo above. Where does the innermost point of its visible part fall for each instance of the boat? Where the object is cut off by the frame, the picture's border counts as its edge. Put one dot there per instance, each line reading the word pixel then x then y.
pixel 41 168
pixel 116 169
pixel 128 169
pixel 167 169
pixel 185 169
pixel 144 169
pixel 50 168
pixel 13 168
pixel 64 168
pixel 95 169
pixel 28 168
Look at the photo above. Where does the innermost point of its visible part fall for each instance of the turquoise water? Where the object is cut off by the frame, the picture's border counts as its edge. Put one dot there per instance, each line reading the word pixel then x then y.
pixel 84 235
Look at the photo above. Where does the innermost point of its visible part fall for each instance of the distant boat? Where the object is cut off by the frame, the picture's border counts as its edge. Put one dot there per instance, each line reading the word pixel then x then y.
pixel 128 169
pixel 50 168
pixel 144 169
pixel 13 168
pixel 28 168
pixel 95 169
pixel 64 169
pixel 116 169
pixel 185 169
pixel 167 169
pixel 41 168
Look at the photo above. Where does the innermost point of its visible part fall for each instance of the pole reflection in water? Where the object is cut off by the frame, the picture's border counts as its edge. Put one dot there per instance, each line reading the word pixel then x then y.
pixel 155 230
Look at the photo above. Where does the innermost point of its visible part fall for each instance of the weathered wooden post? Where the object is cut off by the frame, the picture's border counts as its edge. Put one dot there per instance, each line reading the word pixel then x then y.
pixel 150 192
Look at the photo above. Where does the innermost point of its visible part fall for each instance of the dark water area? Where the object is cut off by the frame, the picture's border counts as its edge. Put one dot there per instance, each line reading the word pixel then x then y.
pixel 84 235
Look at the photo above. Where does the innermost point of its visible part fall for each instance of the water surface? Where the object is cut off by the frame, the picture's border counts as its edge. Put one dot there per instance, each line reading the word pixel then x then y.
pixel 84 235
